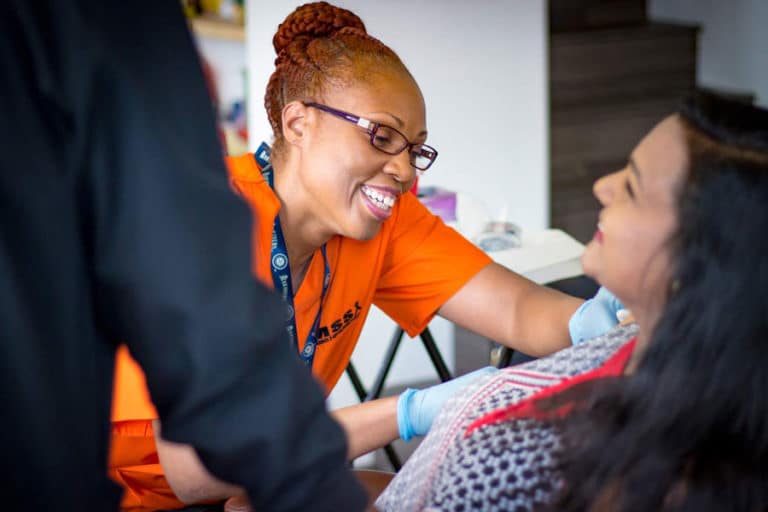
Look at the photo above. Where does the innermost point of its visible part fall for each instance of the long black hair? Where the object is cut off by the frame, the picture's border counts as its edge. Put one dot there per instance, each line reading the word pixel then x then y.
pixel 688 431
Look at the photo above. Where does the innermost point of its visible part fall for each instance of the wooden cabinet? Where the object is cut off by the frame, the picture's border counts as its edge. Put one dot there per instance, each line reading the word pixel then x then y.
pixel 608 87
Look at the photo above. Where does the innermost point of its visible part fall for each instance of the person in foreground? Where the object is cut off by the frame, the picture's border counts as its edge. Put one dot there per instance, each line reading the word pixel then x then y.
pixel 112 197
pixel 337 232
pixel 669 414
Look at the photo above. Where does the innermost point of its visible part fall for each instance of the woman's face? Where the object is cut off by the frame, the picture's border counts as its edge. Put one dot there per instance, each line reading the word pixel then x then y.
pixel 629 253
pixel 352 185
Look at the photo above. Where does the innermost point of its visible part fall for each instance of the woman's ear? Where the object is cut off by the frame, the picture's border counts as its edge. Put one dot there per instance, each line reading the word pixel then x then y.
pixel 294 122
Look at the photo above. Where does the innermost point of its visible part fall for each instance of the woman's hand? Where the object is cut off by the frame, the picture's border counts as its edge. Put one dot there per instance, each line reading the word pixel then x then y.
pixel 596 316
pixel 416 409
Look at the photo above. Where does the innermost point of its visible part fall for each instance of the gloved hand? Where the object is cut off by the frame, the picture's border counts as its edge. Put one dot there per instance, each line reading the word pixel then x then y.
pixel 596 316
pixel 416 409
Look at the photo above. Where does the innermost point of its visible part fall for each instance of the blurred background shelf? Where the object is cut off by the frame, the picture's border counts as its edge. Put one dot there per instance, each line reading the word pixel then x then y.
pixel 216 28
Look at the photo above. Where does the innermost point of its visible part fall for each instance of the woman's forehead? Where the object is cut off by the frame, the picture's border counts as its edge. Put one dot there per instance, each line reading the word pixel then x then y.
pixel 661 157
pixel 381 92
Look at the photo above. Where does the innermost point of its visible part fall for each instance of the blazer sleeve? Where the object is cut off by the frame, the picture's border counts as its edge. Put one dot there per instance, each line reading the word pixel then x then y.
pixel 171 250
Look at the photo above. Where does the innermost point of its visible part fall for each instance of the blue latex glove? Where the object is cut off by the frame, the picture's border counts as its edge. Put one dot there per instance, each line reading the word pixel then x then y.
pixel 595 317
pixel 416 409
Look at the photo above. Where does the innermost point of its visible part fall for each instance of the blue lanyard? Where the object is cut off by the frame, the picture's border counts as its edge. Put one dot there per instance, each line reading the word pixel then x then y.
pixel 281 273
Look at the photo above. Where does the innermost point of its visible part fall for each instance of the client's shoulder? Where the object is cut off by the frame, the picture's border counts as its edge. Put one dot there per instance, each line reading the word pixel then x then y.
pixel 583 357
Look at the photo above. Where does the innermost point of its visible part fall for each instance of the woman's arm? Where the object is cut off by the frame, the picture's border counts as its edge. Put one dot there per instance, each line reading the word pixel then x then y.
pixel 510 309
pixel 187 476
pixel 369 425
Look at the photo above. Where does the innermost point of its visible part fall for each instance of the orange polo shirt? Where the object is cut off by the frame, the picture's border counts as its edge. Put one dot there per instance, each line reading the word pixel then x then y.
pixel 409 269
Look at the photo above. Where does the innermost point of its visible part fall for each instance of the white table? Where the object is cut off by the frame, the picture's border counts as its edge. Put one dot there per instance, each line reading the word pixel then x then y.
pixel 544 257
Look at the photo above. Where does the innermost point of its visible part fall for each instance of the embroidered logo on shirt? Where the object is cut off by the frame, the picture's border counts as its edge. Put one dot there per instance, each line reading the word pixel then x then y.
pixel 326 333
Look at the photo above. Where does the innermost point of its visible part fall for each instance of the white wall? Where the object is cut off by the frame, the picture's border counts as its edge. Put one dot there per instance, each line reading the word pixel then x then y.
pixel 483 71
pixel 733 43
pixel 482 67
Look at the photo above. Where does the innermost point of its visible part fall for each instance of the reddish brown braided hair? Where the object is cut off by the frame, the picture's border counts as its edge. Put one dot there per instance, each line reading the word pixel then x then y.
pixel 319 46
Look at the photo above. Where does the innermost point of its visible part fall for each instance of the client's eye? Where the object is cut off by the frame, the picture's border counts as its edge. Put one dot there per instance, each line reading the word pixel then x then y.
pixel 628 186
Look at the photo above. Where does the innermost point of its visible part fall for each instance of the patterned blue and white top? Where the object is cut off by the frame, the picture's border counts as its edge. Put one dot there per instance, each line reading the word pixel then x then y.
pixel 507 466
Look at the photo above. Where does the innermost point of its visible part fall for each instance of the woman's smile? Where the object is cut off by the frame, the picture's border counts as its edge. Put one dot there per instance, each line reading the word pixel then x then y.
pixel 379 200
pixel 599 233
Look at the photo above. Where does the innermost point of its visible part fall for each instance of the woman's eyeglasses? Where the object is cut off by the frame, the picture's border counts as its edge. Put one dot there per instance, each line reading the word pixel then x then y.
pixel 385 138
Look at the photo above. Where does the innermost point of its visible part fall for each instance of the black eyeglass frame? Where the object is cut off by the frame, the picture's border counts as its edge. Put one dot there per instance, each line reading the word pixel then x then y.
pixel 371 127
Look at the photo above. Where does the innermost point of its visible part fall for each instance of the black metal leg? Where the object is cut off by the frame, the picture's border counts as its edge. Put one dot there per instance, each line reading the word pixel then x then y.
pixel 434 355
pixel 394 460
pixel 505 357
pixel 356 382
pixel 389 357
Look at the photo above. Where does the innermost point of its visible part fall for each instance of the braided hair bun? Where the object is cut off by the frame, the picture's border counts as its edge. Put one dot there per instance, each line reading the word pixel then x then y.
pixel 320 46
pixel 318 19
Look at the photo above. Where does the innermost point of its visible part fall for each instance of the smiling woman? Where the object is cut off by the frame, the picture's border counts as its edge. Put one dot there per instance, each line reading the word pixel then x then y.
pixel 670 414
pixel 337 231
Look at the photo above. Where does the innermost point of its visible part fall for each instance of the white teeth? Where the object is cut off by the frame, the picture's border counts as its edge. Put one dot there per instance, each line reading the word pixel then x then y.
pixel 600 226
pixel 382 201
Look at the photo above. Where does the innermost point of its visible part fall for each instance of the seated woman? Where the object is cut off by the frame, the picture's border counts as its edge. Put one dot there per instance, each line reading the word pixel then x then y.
pixel 667 414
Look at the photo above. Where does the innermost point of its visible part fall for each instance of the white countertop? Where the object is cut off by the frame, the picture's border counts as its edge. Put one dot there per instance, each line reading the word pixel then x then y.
pixel 545 256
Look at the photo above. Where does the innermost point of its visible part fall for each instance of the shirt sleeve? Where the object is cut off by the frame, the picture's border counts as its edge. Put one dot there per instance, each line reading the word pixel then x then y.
pixel 170 248
pixel 426 263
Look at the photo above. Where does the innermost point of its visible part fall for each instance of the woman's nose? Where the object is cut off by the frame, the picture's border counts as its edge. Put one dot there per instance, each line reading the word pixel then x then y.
pixel 603 188
pixel 401 168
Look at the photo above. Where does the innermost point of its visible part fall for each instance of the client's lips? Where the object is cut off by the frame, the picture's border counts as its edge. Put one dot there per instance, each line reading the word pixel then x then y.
pixel 599 234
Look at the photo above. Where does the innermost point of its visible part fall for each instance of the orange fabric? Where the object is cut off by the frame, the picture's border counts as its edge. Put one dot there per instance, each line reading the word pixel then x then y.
pixel 134 464
pixel 409 269
pixel 130 397
pixel 133 460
